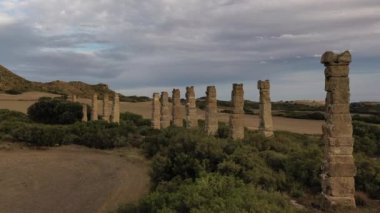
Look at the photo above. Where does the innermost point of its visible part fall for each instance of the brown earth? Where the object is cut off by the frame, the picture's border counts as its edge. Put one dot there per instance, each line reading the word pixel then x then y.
pixel 70 179
pixel 22 102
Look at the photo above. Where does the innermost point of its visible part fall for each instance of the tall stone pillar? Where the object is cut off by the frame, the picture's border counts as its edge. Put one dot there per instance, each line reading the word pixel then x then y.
pixel 266 122
pixel 84 111
pixel 176 108
pixel 94 114
pixel 211 119
pixel 106 108
pixel 236 117
pixel 191 108
pixel 338 183
pixel 165 113
pixel 156 110
pixel 74 98
pixel 115 118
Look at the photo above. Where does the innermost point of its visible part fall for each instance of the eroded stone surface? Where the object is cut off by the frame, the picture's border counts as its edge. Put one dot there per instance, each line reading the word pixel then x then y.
pixel 165 113
pixel 338 184
pixel 106 108
pixel 156 111
pixel 266 121
pixel 115 118
pixel 84 112
pixel 211 119
pixel 94 112
pixel 74 98
pixel 177 117
pixel 191 108
pixel 236 117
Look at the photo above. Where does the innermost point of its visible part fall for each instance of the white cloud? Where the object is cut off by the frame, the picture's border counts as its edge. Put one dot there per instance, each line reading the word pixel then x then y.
pixel 167 43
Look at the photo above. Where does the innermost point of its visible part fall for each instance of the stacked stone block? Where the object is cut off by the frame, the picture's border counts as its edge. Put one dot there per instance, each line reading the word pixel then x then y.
pixel 156 111
pixel 165 113
pixel 266 122
pixel 338 184
pixel 211 118
pixel 237 115
pixel 94 113
pixel 177 118
pixel 191 108
pixel 74 98
pixel 84 111
pixel 106 108
pixel 115 118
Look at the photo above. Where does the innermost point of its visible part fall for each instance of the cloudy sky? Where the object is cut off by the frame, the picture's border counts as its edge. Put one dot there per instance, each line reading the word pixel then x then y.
pixel 143 46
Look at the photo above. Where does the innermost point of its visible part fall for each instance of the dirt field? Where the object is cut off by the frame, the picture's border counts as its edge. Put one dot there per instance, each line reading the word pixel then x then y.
pixel 69 179
pixel 22 102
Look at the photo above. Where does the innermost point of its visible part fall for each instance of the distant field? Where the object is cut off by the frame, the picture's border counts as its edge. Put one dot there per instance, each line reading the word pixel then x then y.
pixel 22 102
pixel 70 179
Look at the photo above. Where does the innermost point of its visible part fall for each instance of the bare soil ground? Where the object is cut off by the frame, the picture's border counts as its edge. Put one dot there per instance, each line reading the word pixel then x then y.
pixel 69 179
pixel 22 102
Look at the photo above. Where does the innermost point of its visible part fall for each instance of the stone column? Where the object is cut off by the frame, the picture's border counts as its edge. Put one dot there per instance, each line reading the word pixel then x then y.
pixel 191 108
pixel 73 98
pixel 94 114
pixel 165 113
pixel 156 110
pixel 338 183
pixel 116 109
pixel 211 119
pixel 236 117
pixel 106 108
pixel 177 117
pixel 266 123
pixel 84 111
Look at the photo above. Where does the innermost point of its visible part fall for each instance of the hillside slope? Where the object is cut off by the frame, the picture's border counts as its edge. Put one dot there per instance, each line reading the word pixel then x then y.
pixel 12 82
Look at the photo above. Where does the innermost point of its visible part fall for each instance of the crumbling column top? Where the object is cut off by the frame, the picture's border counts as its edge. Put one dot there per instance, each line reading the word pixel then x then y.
pixel 330 58
pixel 211 91
pixel 190 92
pixel 263 84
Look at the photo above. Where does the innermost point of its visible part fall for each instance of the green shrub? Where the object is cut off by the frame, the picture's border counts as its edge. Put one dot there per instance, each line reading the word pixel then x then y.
pixel 15 91
pixel 212 193
pixel 55 111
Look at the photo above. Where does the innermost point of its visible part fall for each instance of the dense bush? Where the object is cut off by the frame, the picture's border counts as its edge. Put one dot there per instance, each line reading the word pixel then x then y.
pixel 303 115
pixel 55 111
pixel 374 119
pixel 15 91
pixel 97 134
pixel 288 162
pixel 212 193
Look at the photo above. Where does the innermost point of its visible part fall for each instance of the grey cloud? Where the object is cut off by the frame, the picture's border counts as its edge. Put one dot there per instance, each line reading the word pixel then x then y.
pixel 172 43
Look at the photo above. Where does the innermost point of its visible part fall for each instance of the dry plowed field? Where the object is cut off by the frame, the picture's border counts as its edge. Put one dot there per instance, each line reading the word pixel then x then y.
pixel 69 179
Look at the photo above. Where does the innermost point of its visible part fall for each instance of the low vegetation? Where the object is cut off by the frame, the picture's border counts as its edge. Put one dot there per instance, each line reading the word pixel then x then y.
pixel 193 172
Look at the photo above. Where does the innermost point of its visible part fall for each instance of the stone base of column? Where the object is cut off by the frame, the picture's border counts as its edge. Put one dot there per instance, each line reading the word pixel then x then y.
pixel 236 126
pixel 329 202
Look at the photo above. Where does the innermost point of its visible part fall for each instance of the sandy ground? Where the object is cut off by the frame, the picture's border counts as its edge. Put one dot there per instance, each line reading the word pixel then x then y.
pixel 22 102
pixel 70 179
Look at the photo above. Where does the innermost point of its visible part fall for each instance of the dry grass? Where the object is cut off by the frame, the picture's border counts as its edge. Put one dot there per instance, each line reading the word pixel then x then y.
pixel 70 179
pixel 22 102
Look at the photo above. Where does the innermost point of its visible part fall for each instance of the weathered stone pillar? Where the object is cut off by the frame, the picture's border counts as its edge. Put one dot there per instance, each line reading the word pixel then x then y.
pixel 191 108
pixel 156 110
pixel 165 113
pixel 73 98
pixel 236 117
pixel 84 111
pixel 266 123
pixel 176 108
pixel 211 119
pixel 115 118
pixel 338 183
pixel 94 114
pixel 106 108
